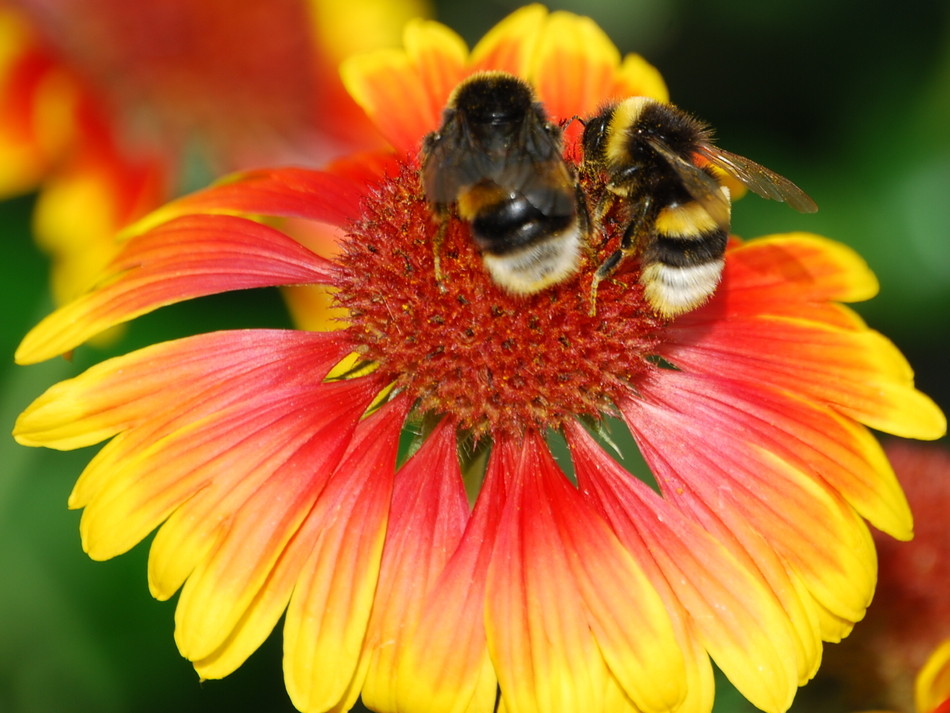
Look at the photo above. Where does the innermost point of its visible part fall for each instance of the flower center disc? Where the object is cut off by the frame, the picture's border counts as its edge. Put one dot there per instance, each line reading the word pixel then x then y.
pixel 495 361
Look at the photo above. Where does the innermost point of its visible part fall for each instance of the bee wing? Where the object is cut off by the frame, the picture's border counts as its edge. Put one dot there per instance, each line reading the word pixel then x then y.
pixel 534 165
pixel 449 162
pixel 705 189
pixel 759 179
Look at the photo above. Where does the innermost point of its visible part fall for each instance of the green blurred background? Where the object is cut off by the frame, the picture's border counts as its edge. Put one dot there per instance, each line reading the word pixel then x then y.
pixel 849 100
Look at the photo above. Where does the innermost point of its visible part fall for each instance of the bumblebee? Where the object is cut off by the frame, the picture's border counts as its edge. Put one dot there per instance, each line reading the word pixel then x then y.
pixel 498 160
pixel 662 163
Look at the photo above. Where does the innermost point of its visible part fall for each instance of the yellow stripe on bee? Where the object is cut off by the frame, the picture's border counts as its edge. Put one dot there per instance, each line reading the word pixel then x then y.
pixel 689 220
pixel 625 115
pixel 474 198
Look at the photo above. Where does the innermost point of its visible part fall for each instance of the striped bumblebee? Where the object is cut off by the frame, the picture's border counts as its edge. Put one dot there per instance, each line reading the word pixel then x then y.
pixel 498 160
pixel 661 162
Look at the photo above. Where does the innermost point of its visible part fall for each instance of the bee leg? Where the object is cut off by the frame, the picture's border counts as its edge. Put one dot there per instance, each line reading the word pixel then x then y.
pixel 437 253
pixel 605 270
pixel 586 226
pixel 629 243
pixel 603 206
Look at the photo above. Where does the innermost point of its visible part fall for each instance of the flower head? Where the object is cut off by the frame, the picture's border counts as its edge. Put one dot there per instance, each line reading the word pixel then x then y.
pixel 269 460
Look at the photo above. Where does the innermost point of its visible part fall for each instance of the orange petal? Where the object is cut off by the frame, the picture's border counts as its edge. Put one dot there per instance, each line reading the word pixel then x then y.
pixel 428 516
pixel 442 663
pixel 38 106
pixel 573 66
pixel 732 611
pixel 932 688
pixel 788 269
pixel 404 91
pixel 130 390
pixel 627 616
pixel 268 603
pixel 510 45
pixel 250 503
pixel 330 605
pixel 572 63
pixel 637 77
pixel 747 478
pixel 771 323
pixel 188 257
pixel 544 653
pixel 204 471
pixel 834 449
pixel 82 206
pixel 568 609
pixel 859 373
pixel 331 196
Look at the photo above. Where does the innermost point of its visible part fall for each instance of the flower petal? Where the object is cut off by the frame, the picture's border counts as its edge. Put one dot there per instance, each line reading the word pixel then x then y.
pixel 781 271
pixel 747 481
pixel 188 257
pixel 559 584
pixel 82 206
pixel 442 663
pixel 38 105
pixel 573 66
pixel 256 418
pixel 544 653
pixel 203 469
pixel 642 651
pixel 510 45
pixel 932 688
pixel 331 196
pixel 637 77
pixel 268 604
pixel 732 611
pixel 417 80
pixel 247 502
pixel 330 605
pixel 195 474
pixel 770 324
pixel 127 391
pixel 427 518
pixel 835 449
pixel 860 373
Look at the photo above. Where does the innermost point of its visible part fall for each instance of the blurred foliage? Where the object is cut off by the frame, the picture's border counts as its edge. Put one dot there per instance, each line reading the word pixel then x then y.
pixel 851 101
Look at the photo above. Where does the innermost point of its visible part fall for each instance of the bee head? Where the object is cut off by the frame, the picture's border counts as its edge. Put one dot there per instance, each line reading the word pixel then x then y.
pixel 493 99
pixel 594 139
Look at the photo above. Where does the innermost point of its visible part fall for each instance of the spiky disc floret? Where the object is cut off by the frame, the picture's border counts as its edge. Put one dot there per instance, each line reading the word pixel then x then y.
pixel 463 347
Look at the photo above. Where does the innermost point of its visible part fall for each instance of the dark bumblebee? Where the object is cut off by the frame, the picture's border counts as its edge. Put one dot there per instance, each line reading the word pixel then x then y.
pixel 662 163
pixel 499 161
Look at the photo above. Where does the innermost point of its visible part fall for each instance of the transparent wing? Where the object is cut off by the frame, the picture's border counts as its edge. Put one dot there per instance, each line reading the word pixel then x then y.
pixel 705 189
pixel 450 162
pixel 530 164
pixel 759 179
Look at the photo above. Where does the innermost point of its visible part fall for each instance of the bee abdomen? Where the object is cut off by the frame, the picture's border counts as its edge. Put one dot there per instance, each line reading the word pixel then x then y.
pixel 681 273
pixel 538 264
pixel 685 252
pixel 671 291
pixel 512 224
